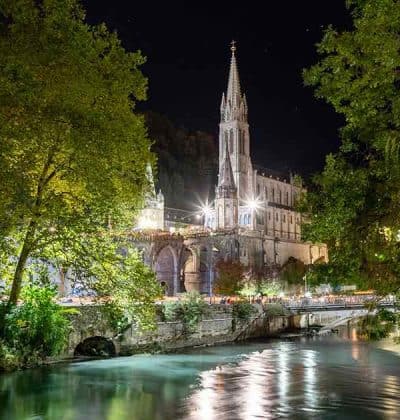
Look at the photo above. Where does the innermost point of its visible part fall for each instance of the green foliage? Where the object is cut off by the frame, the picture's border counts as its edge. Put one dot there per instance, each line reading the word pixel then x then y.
pixel 36 329
pixel 248 289
pixel 9 359
pixel 270 288
pixel 243 310
pixel 73 155
pixel 189 310
pixel 376 327
pixel 293 271
pixel 354 204
pixel 275 309
pixel 264 287
pixel 230 277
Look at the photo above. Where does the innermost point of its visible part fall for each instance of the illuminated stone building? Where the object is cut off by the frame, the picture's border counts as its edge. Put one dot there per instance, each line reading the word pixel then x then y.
pixel 252 217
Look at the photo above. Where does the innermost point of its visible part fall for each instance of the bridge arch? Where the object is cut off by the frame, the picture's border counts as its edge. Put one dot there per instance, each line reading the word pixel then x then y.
pixel 166 269
pixel 95 346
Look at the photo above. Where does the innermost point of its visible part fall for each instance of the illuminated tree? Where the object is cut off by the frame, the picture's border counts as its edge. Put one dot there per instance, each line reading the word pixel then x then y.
pixel 73 153
pixel 230 277
pixel 354 205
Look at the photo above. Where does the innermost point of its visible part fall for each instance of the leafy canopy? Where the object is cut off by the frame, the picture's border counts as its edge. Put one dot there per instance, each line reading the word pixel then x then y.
pixel 73 153
pixel 354 205
pixel 230 277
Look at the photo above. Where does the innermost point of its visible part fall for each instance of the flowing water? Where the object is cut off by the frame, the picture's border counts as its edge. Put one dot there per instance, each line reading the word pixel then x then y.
pixel 315 378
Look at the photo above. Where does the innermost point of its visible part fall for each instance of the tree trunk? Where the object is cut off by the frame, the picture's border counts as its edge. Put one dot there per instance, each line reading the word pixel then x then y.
pixel 22 259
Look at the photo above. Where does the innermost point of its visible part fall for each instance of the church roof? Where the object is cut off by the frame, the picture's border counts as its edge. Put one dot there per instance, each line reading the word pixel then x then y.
pixel 226 176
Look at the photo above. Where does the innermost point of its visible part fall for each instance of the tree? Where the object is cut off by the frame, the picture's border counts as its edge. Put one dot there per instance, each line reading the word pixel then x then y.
pixel 354 202
pixel 293 271
pixel 73 153
pixel 230 277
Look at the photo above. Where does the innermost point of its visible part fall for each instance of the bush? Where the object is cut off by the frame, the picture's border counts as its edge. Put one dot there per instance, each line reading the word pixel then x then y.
pixel 9 359
pixel 189 311
pixel 243 310
pixel 378 326
pixel 36 329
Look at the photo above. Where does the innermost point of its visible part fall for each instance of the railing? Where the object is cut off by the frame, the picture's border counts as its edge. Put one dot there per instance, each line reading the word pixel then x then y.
pixel 351 303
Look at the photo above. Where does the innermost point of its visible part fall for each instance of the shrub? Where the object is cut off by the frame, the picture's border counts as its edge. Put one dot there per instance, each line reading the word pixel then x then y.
pixel 189 311
pixel 243 310
pixel 378 326
pixel 37 328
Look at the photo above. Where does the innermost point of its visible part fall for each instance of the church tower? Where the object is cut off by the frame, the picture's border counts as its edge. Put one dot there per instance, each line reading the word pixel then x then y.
pixel 226 202
pixel 234 132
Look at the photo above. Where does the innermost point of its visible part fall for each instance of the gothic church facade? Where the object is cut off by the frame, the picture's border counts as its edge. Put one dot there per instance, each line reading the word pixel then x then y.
pixel 250 199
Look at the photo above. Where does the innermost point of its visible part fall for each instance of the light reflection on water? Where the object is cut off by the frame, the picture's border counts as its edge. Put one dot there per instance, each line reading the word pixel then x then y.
pixel 320 378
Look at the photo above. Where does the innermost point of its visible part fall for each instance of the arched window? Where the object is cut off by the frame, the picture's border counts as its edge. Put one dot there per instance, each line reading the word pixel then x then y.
pixel 266 193
pixel 273 194
pixel 258 189
pixel 280 197
pixel 231 141
pixel 287 198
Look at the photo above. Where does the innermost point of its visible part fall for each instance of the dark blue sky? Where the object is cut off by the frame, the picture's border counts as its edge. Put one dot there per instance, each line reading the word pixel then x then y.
pixel 187 49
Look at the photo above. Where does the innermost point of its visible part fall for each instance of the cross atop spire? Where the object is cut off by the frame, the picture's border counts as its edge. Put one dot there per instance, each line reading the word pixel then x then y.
pixel 233 47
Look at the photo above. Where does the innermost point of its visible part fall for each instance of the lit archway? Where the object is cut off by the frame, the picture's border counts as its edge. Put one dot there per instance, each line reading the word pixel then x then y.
pixel 165 269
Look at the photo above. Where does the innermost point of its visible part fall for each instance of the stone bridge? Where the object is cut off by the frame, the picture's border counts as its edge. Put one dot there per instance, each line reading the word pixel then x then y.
pixel 331 316
pixel 187 263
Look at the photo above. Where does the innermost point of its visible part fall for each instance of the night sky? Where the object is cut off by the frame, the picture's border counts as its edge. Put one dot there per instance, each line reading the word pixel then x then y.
pixel 187 50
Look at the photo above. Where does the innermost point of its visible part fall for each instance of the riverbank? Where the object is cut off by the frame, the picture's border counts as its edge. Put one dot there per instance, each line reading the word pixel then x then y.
pixel 220 324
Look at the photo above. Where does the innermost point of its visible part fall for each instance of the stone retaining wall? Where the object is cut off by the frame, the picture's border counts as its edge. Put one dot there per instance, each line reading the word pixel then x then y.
pixel 219 326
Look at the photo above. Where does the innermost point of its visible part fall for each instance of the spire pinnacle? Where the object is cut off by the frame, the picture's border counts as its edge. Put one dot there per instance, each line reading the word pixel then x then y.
pixel 233 47
pixel 233 93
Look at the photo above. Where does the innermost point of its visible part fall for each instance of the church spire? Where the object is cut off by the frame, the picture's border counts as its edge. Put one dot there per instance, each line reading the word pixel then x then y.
pixel 233 104
pixel 233 92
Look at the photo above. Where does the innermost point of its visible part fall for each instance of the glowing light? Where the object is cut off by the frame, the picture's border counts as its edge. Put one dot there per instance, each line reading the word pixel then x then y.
pixel 206 210
pixel 254 204
pixel 146 223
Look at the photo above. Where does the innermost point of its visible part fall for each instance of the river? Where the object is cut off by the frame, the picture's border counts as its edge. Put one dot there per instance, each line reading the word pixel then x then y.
pixel 301 378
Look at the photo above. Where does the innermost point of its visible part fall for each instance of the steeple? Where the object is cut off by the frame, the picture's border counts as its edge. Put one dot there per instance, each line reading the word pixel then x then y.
pixel 233 105
pixel 233 92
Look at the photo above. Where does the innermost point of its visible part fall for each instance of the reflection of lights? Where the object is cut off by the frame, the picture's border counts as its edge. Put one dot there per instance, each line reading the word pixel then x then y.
pixel 254 387
pixel 310 379
pixel 354 336
pixel 203 401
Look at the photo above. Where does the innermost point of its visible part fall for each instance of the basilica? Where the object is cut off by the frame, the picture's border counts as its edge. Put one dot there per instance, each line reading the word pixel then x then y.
pixel 252 218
